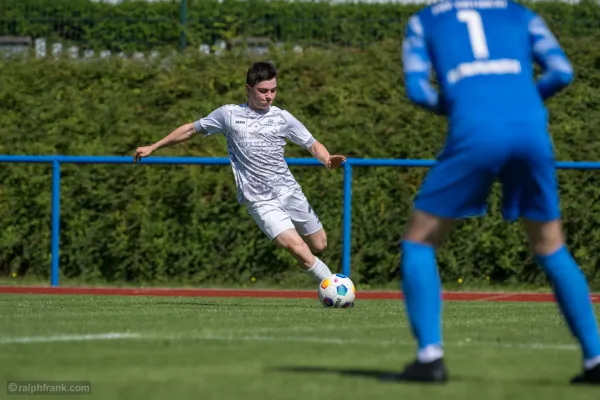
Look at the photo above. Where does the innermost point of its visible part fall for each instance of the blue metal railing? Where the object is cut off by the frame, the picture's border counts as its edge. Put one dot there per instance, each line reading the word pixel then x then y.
pixel 57 160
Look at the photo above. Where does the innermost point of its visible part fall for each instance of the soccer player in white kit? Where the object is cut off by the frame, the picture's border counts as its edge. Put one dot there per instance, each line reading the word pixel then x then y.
pixel 256 134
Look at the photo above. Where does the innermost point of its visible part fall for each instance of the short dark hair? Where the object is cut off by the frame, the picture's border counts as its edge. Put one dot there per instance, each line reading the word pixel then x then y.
pixel 260 71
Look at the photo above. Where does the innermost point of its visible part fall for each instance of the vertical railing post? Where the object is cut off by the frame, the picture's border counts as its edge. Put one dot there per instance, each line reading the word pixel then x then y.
pixel 347 222
pixel 55 222
pixel 183 22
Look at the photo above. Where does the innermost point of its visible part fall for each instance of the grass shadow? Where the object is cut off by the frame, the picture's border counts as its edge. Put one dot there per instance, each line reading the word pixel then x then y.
pixel 391 376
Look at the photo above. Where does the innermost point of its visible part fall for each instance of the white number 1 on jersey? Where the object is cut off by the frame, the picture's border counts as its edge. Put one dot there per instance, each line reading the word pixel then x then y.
pixel 476 33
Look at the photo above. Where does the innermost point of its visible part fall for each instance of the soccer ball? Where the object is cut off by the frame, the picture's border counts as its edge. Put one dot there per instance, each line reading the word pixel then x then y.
pixel 337 291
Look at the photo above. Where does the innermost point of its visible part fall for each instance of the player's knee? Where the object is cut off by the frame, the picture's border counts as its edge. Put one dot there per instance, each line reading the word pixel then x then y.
pixel 544 237
pixel 418 237
pixel 319 245
pixel 427 229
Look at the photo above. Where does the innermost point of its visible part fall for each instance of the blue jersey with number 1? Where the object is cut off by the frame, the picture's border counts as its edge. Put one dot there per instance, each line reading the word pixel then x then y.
pixel 483 53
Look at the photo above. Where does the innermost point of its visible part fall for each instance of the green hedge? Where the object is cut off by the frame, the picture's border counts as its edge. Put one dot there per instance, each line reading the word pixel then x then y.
pixel 139 25
pixel 141 223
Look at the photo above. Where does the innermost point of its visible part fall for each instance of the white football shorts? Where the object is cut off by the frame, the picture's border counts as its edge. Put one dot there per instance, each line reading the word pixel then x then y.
pixel 288 211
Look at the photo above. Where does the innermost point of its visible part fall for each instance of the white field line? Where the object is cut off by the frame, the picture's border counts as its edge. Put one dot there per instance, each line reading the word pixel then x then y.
pixel 224 337
pixel 69 338
pixel 384 343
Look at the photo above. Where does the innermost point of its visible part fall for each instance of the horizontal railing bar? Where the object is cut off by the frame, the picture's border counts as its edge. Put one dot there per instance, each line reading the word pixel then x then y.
pixel 364 162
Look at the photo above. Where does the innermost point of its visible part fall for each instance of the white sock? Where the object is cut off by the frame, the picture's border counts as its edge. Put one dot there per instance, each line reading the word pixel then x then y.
pixel 430 353
pixel 319 271
pixel 591 363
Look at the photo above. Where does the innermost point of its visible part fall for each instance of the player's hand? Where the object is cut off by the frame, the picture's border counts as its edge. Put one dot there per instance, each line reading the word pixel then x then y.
pixel 142 152
pixel 335 161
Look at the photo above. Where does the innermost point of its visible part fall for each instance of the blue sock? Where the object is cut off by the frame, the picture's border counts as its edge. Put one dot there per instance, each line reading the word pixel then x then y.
pixel 422 288
pixel 573 297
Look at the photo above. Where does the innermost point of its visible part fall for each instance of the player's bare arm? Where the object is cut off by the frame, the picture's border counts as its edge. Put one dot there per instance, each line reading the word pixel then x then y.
pixel 321 153
pixel 181 134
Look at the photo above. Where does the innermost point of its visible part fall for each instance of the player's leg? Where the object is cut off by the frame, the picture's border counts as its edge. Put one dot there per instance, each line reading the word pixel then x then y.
pixel 421 285
pixel 308 226
pixel 317 241
pixel 311 264
pixel 531 191
pixel 306 220
pixel 457 187
pixel 571 290
pixel 276 224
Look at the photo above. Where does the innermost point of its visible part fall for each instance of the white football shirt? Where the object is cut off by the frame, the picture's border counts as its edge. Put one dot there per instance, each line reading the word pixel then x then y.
pixel 255 143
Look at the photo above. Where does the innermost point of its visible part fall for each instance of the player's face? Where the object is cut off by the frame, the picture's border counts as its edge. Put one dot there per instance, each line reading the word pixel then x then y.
pixel 262 95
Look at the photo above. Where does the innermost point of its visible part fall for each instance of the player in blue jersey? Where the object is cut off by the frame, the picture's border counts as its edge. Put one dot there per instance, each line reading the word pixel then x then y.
pixel 483 53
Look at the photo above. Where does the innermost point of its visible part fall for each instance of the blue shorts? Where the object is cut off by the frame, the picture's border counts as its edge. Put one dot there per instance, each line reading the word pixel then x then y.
pixel 458 186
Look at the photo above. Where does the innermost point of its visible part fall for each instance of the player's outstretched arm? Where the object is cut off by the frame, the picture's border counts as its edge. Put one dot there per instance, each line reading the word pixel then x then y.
pixel 179 135
pixel 297 133
pixel 321 153
pixel 417 68
pixel 547 52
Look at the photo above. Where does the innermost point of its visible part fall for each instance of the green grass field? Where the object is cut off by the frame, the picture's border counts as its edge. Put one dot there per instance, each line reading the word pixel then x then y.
pixel 221 348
